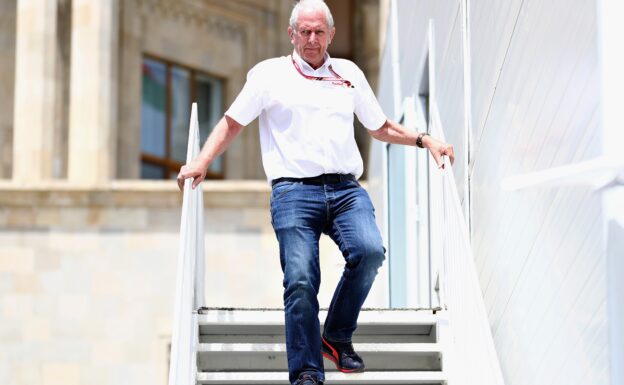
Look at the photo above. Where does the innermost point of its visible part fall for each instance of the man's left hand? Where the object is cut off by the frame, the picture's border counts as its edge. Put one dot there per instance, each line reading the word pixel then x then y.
pixel 438 149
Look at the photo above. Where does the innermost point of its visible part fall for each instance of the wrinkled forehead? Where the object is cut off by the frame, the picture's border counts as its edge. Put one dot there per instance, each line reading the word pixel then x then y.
pixel 312 19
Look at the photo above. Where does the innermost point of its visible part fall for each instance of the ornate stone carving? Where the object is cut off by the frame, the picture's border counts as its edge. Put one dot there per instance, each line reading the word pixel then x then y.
pixel 189 12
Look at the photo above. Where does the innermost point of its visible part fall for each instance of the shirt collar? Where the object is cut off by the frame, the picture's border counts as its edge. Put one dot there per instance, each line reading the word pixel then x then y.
pixel 306 68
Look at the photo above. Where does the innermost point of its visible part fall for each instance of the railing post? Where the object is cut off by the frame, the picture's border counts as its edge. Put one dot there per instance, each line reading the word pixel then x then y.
pixel 190 274
pixel 474 359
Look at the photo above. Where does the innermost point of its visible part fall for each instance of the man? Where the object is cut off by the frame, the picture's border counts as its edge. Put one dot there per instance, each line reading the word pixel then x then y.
pixel 306 103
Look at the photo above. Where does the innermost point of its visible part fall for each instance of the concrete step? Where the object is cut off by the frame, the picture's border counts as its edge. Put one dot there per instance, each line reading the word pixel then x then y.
pixel 268 326
pixel 279 338
pixel 366 378
pixel 272 357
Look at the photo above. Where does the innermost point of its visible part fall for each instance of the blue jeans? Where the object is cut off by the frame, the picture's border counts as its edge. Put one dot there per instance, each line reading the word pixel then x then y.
pixel 300 213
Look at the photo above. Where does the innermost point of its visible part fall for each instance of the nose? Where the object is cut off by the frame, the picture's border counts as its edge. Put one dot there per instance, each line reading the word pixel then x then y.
pixel 313 37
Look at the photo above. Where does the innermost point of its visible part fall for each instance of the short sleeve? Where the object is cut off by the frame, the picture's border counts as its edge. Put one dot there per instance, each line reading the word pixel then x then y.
pixel 250 101
pixel 367 108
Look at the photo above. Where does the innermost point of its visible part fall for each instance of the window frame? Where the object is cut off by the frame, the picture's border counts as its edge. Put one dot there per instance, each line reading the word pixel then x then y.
pixel 170 165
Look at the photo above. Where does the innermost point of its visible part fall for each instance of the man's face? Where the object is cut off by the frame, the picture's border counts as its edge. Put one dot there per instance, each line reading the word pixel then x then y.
pixel 312 36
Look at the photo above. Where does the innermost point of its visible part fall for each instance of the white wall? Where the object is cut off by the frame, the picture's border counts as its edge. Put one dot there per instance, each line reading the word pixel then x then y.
pixel 534 105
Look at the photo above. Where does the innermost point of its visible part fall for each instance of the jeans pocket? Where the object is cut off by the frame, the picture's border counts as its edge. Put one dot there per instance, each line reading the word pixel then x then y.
pixel 281 189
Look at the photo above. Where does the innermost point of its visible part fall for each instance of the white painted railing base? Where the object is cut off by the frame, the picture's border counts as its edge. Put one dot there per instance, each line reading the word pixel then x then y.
pixel 471 355
pixel 190 274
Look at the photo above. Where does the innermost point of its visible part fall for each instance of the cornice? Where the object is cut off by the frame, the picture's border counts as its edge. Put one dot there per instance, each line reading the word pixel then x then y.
pixel 131 193
pixel 190 12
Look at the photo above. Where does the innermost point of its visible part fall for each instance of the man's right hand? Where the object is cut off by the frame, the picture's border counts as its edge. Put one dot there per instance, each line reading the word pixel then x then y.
pixel 221 136
pixel 196 170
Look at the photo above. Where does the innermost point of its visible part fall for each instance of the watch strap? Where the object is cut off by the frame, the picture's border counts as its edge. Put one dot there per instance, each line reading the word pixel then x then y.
pixel 419 139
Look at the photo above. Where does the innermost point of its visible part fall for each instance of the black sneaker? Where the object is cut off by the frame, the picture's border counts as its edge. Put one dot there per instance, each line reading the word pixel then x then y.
pixel 342 355
pixel 307 379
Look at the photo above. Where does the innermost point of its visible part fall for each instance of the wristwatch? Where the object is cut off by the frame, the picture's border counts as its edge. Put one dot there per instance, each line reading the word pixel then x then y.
pixel 419 139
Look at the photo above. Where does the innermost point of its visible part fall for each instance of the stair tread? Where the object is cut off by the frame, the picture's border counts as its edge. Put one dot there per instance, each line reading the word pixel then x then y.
pixel 370 377
pixel 276 317
pixel 246 358
pixel 410 347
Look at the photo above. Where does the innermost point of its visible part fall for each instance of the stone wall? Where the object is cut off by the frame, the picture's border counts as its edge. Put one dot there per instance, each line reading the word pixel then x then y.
pixel 221 38
pixel 87 273
pixel 7 79
pixel 87 276
pixel 224 39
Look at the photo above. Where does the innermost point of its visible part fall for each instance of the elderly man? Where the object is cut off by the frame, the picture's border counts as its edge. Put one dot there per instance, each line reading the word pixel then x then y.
pixel 306 103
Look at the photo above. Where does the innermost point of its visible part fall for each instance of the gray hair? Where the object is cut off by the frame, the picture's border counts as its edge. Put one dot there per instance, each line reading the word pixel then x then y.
pixel 314 5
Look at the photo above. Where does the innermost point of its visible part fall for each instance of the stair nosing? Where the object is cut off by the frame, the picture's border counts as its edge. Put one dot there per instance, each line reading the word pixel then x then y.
pixel 364 347
pixel 276 318
pixel 365 376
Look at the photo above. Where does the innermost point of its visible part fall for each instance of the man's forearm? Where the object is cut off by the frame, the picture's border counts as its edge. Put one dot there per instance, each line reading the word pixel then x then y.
pixel 393 132
pixel 219 139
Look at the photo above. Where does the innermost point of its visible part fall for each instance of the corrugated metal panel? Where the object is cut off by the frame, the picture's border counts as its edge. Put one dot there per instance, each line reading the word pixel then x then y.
pixel 539 253
pixel 414 19
pixel 450 95
pixel 493 24
pixel 535 96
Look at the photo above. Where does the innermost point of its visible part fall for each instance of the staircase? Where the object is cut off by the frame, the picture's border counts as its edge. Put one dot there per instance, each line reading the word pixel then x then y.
pixel 247 347
pixel 220 347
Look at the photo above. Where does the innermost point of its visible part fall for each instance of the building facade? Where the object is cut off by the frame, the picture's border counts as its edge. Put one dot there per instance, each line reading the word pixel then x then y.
pixel 95 103
pixel 95 96
pixel 105 86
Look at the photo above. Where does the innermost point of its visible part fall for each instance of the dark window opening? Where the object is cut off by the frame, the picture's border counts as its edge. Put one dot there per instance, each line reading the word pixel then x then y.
pixel 168 91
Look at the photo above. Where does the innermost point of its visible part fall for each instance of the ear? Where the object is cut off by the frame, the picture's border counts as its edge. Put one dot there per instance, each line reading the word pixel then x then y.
pixel 332 32
pixel 291 34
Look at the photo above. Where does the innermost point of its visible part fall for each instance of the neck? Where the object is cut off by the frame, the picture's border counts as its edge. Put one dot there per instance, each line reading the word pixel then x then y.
pixel 314 66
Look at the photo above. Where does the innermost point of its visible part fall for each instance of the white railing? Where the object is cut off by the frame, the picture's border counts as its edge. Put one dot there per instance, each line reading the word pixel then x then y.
pixel 190 275
pixel 473 358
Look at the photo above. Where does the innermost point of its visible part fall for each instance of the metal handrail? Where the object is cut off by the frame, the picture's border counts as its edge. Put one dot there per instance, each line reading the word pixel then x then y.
pixel 473 358
pixel 190 273
pixel 460 292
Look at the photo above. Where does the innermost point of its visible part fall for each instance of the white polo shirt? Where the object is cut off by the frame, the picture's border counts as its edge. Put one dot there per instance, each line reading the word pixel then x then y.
pixel 306 126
